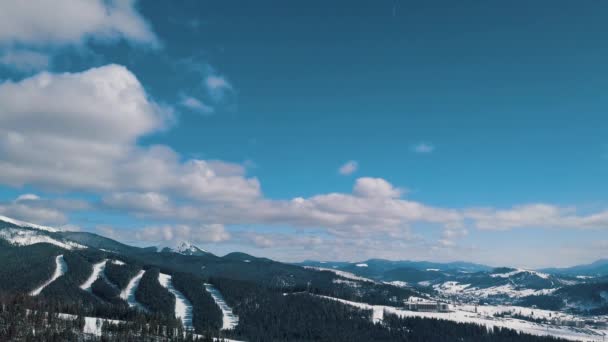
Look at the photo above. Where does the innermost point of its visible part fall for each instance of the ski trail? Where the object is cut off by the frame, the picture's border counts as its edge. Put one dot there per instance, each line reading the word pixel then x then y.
pixel 128 293
pixel 98 269
pixel 183 307
pixel 230 320
pixel 60 269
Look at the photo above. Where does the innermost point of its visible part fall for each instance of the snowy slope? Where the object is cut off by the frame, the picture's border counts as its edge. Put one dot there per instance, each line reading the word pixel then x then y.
pixel 98 269
pixel 342 274
pixel 26 224
pixel 183 307
pixel 26 237
pixel 230 320
pixel 128 293
pixel 60 269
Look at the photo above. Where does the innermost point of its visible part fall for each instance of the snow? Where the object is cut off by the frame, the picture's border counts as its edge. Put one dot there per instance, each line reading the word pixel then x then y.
pixel 518 271
pixel 128 293
pixel 484 317
pixel 98 269
pixel 22 237
pixel 432 269
pixel 397 283
pixel 361 265
pixel 26 224
pixel 230 320
pixel 60 269
pixel 455 288
pixel 92 325
pixel 117 262
pixel 183 307
pixel 342 274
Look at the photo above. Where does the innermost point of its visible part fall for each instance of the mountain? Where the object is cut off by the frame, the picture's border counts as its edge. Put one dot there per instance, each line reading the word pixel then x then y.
pixel 105 282
pixel 185 248
pixel 597 268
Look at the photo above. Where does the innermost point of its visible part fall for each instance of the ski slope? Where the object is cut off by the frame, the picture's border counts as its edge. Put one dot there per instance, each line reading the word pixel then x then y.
pixel 229 319
pixel 128 293
pixel 467 314
pixel 60 269
pixel 183 307
pixel 98 269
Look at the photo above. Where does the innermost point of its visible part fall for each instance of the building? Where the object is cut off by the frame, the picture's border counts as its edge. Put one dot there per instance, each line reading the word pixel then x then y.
pixel 427 306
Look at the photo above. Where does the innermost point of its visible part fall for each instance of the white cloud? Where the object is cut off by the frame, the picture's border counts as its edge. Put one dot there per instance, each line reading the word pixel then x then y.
pixel 348 168
pixel 218 87
pixel 423 148
pixel 25 60
pixel 32 208
pixel 537 215
pixel 61 22
pixel 79 131
pixel 170 233
pixel 375 187
pixel 196 105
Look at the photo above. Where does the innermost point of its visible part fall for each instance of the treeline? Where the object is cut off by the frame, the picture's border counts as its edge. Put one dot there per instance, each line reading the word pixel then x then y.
pixel 206 315
pixel 120 275
pixel 154 296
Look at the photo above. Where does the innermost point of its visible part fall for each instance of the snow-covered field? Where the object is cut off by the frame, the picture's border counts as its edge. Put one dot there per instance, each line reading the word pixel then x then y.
pixel 484 316
pixel 97 271
pixel 230 320
pixel 60 269
pixel 128 293
pixel 455 288
pixel 183 307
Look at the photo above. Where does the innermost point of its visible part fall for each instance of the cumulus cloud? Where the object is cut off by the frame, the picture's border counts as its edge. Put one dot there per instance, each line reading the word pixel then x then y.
pixel 166 233
pixel 536 215
pixel 79 131
pixel 423 148
pixel 375 187
pixel 32 208
pixel 348 168
pixel 44 23
pixel 25 60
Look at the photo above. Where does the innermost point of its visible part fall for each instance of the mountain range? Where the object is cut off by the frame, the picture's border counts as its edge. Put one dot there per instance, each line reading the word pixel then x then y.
pixel 192 290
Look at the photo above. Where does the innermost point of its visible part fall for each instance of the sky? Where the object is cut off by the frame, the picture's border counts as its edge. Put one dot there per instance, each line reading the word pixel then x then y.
pixel 342 130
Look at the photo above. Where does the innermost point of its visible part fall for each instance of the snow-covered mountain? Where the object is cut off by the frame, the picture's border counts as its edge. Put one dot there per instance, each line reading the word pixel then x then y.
pixel 185 248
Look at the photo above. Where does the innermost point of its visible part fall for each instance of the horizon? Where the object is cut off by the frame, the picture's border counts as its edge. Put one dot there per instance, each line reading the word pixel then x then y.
pixel 328 132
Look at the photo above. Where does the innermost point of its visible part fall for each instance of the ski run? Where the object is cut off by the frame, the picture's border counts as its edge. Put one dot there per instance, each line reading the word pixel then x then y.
pixel 128 293
pixel 229 319
pixel 183 307
pixel 60 269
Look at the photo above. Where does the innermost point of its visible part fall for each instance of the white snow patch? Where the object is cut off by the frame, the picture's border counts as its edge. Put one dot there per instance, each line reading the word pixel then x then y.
pixel 98 269
pixel 397 283
pixel 128 294
pixel 230 320
pixel 22 237
pixel 117 262
pixel 432 269
pixel 455 288
pixel 183 307
pixel 518 271
pixel 342 274
pixel 60 269
pixel 361 265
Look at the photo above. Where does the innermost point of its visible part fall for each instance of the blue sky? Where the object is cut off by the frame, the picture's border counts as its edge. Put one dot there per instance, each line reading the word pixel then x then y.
pixel 470 131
